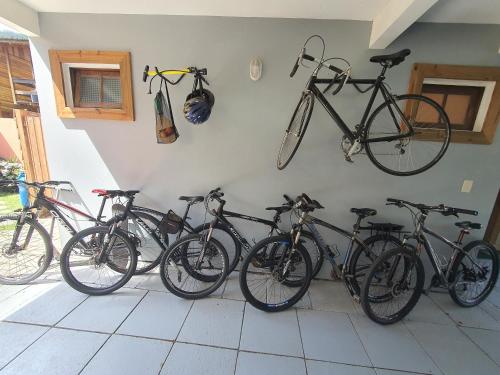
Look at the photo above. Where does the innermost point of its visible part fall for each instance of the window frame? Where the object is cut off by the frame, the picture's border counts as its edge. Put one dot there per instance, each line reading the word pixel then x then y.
pixel 122 59
pixel 421 71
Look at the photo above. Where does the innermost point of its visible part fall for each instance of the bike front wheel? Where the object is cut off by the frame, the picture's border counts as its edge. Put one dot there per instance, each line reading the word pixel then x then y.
pixel 96 262
pixel 393 286
pixel 474 274
pixel 425 128
pixel 193 268
pixel 26 250
pixel 296 130
pixel 275 275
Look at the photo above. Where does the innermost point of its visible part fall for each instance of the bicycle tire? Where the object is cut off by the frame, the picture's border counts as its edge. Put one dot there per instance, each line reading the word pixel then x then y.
pixel 367 299
pixel 354 270
pixel 44 260
pixel 369 145
pixel 182 246
pixel 99 232
pixel 244 275
pixel 303 127
pixel 455 271
pixel 233 259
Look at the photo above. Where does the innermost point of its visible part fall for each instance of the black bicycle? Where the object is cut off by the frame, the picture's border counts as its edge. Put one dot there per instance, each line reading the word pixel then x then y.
pixel 404 136
pixel 277 271
pixel 395 281
pixel 238 242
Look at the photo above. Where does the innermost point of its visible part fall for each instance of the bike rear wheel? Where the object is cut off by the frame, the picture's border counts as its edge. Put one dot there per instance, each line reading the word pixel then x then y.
pixel 296 130
pixel 363 257
pixel 95 262
pixel 421 149
pixel 393 286
pixel 275 276
pixel 29 257
pixel 469 285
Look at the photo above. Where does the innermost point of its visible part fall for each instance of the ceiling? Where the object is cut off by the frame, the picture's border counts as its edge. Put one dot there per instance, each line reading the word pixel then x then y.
pixel 457 11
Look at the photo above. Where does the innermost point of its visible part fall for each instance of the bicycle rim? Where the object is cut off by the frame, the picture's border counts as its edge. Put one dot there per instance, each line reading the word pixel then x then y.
pixel 193 268
pixel 418 151
pixel 393 286
pixel 475 275
pixel 27 258
pixel 85 271
pixel 296 130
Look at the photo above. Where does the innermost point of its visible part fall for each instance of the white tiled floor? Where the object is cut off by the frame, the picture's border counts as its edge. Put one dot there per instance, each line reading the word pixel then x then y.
pixel 47 328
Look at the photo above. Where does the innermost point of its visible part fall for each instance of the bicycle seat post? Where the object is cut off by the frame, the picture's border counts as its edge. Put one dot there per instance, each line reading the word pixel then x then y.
pixel 461 236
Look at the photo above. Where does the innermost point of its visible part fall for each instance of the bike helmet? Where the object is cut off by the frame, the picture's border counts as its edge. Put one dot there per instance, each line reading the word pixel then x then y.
pixel 198 106
pixel 197 110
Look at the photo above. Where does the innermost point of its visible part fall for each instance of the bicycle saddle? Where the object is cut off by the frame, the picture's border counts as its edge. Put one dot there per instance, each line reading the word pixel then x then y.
pixel 386 227
pixel 115 193
pixel 392 59
pixel 468 225
pixel 364 212
pixel 192 199
pixel 279 209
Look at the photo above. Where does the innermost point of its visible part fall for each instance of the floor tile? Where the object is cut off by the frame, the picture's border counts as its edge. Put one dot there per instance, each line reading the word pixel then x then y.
pixel 41 304
pixel 330 296
pixel 15 338
pixel 265 364
pixel 491 309
pixel 328 368
pixel 103 313
pixel 232 290
pixel 474 317
pixel 159 315
pixel 271 333
pixel 188 359
pixel 7 291
pixel 151 281
pixel 59 351
pixel 304 302
pixel 330 336
pixel 127 355
pixel 427 311
pixel 214 322
pixel 451 350
pixel 494 297
pixel 487 340
pixel 392 346
pixel 393 372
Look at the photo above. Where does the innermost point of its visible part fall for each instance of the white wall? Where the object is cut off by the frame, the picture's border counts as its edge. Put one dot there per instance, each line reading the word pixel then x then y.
pixel 237 147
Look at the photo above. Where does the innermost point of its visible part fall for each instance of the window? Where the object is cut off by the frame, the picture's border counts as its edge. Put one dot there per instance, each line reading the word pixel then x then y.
pixel 92 84
pixel 470 96
pixel 461 104
pixel 96 88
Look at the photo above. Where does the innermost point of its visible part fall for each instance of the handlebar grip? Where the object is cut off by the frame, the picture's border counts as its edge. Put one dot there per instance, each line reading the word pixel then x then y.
pixel 466 212
pixel 307 57
pixel 145 73
pixel 306 197
pixel 393 200
pixel 294 69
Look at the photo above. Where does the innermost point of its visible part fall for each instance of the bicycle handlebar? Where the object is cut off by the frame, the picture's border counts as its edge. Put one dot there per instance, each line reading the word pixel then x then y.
pixel 441 208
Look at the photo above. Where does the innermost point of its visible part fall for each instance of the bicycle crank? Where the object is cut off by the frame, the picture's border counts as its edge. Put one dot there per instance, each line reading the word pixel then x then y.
pixel 350 148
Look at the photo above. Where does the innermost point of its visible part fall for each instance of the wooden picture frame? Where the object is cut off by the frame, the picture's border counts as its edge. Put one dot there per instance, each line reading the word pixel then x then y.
pixel 458 72
pixel 67 110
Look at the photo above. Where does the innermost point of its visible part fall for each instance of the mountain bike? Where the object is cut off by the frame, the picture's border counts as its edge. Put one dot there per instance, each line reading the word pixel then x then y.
pixel 395 135
pixel 238 241
pixel 277 271
pixel 225 235
pixel 26 246
pixel 395 281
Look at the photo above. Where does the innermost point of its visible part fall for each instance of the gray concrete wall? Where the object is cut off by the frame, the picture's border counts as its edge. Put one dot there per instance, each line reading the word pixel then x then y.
pixel 237 147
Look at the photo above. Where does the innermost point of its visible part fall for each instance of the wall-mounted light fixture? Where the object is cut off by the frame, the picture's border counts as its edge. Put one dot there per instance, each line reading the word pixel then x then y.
pixel 255 69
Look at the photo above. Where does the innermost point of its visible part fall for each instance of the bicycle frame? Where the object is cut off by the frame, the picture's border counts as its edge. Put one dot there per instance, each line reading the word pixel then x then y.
pixel 420 236
pixel 360 134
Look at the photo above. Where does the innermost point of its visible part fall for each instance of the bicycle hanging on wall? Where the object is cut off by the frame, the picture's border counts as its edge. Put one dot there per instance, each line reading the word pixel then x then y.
pixel 395 134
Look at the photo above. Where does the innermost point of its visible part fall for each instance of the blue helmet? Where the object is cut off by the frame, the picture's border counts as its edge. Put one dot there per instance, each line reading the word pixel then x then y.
pixel 198 106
